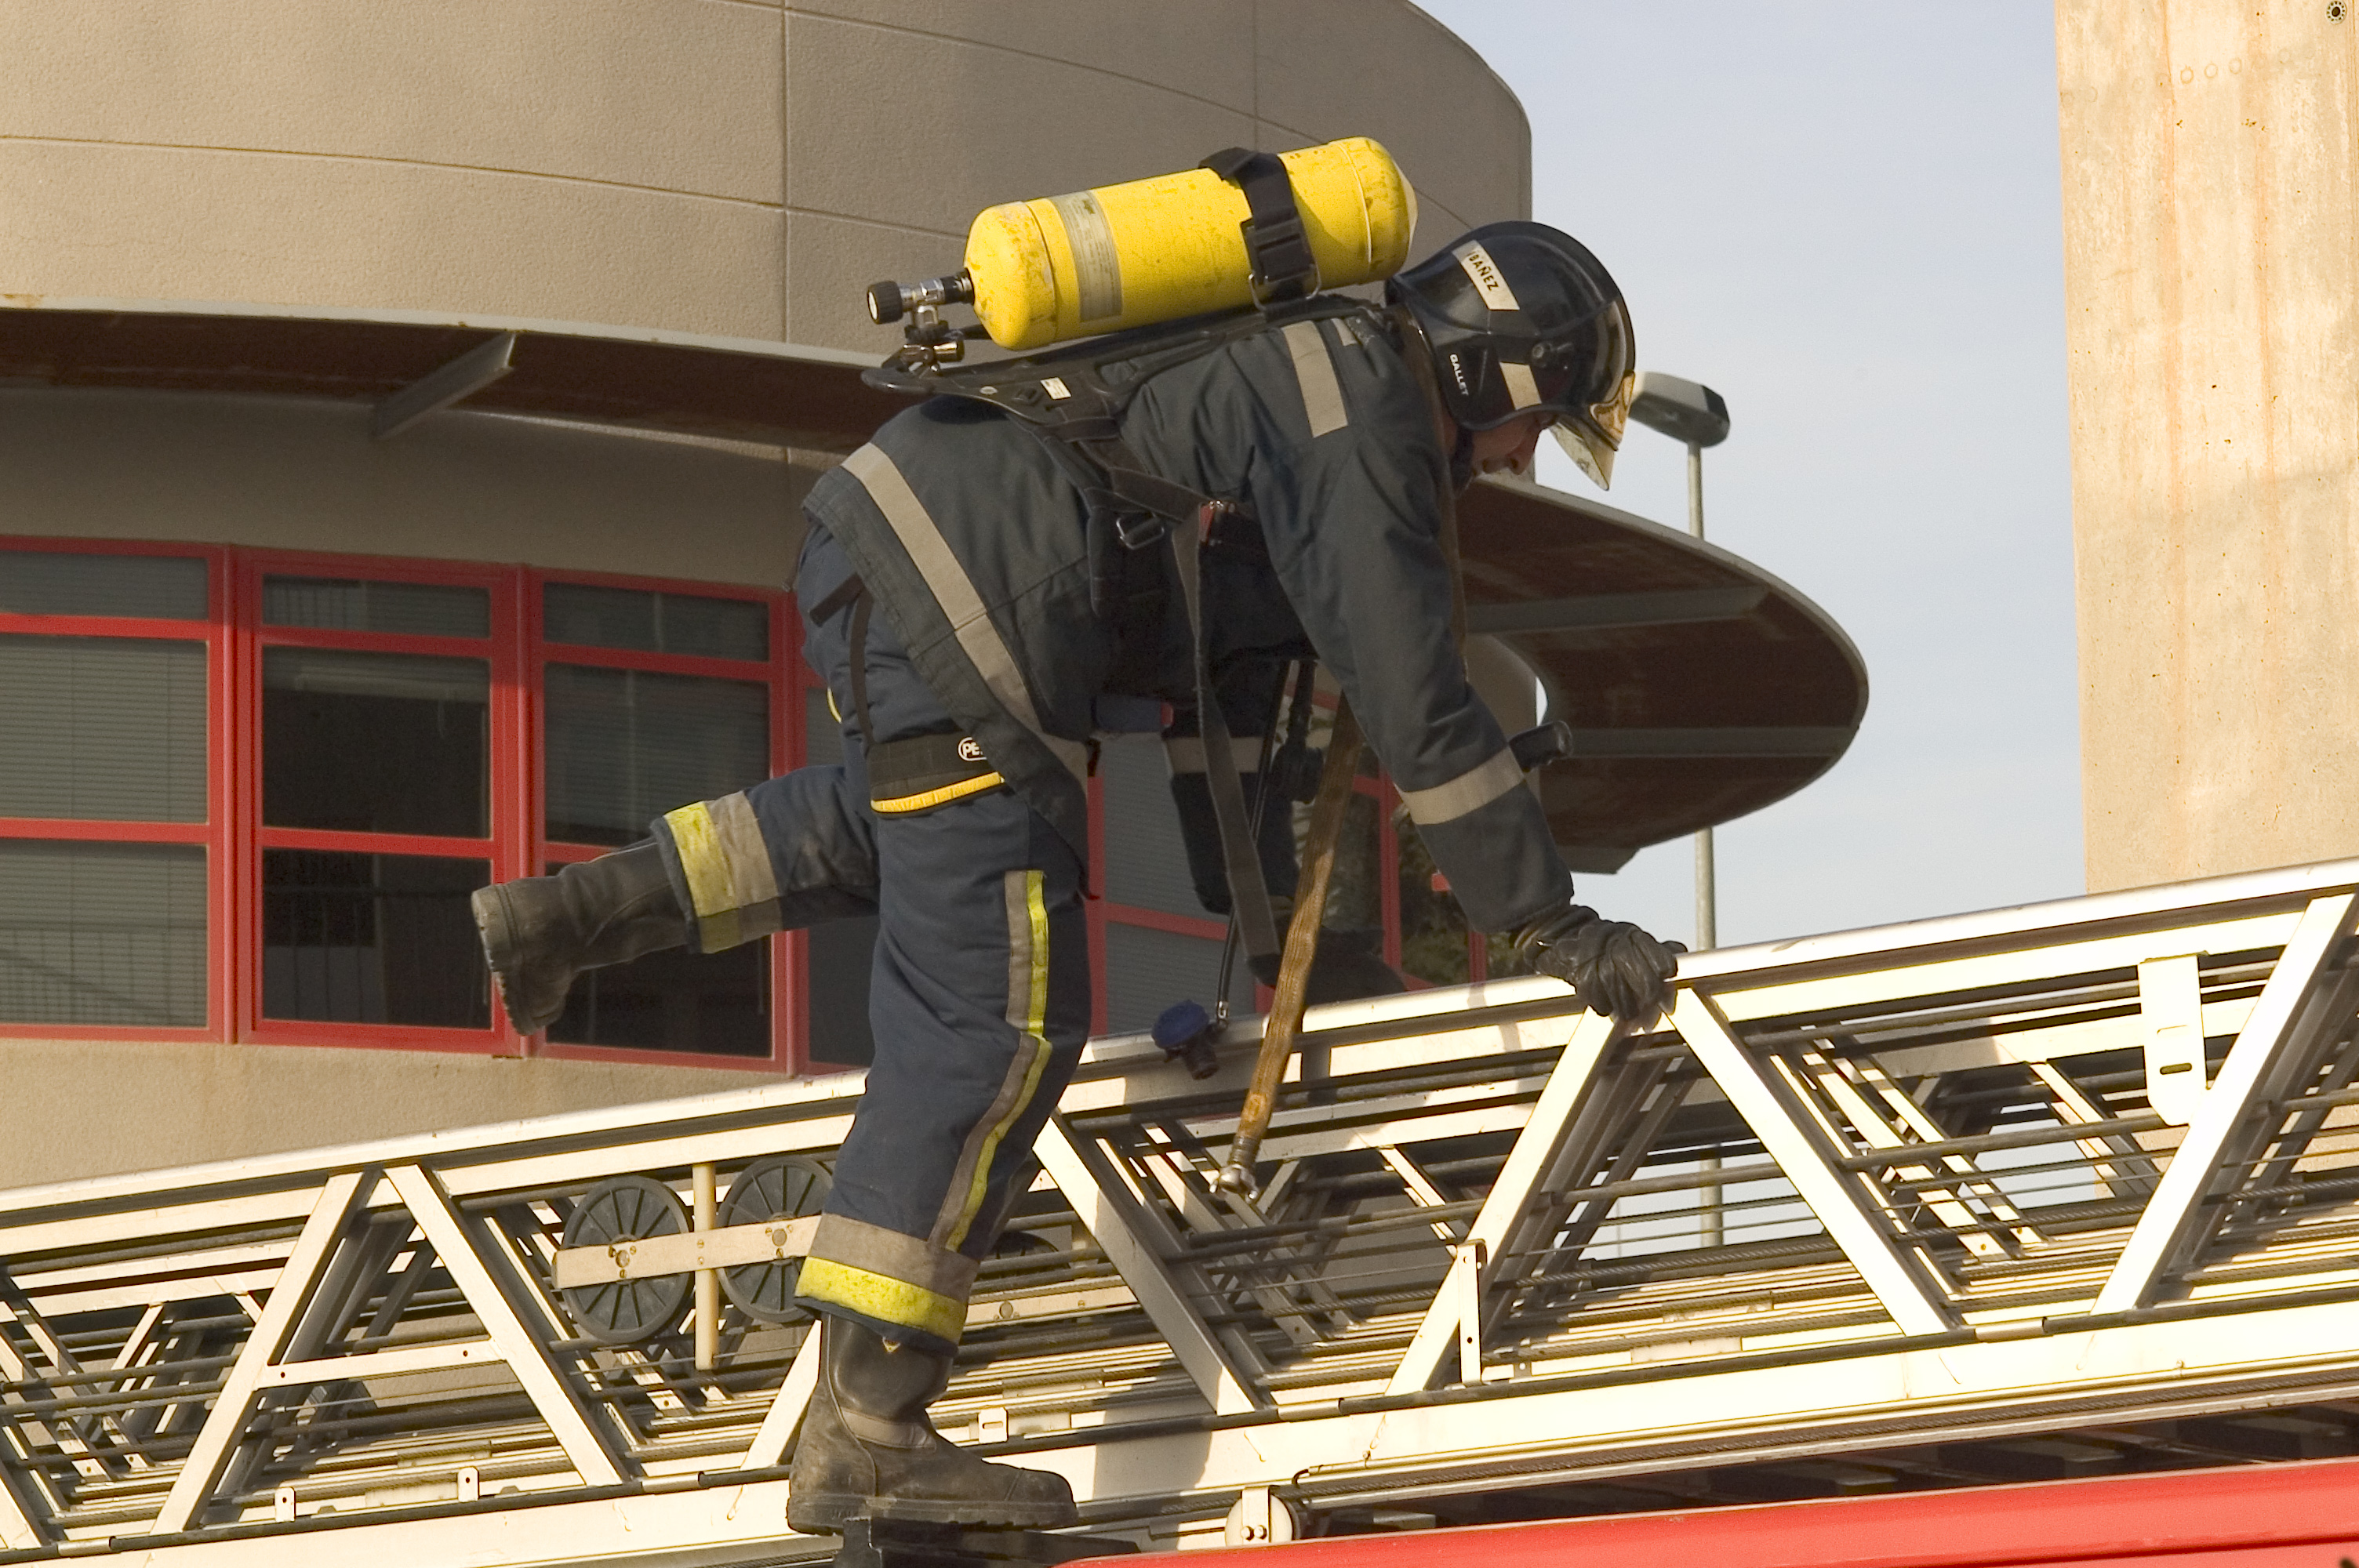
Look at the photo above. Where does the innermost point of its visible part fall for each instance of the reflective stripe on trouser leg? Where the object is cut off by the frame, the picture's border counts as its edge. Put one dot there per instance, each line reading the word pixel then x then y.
pixel 978 1004
pixel 1028 1014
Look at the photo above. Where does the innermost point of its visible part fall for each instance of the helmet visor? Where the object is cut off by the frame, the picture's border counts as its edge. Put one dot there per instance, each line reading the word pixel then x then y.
pixel 1590 455
pixel 1590 437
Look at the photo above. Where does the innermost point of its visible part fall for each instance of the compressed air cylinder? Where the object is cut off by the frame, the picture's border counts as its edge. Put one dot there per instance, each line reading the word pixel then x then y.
pixel 1155 250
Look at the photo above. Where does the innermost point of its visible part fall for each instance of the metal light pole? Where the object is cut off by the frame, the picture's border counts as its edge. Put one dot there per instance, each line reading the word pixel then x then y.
pixel 1691 412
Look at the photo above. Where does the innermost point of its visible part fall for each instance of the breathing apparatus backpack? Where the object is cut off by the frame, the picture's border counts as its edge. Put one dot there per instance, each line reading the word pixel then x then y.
pixel 1168 270
pixel 1165 271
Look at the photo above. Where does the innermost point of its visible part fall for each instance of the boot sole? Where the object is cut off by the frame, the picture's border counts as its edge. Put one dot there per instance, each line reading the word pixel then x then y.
pixel 828 1512
pixel 490 906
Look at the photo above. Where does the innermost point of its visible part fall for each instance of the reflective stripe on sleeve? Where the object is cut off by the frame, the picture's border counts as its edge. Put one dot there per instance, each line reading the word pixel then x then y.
pixel 1314 370
pixel 1471 791
pixel 955 591
pixel 727 867
pixel 1028 1013
pixel 1186 752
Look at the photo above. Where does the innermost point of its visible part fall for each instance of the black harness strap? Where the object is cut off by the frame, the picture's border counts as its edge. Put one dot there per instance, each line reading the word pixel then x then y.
pixel 1283 266
pixel 1240 853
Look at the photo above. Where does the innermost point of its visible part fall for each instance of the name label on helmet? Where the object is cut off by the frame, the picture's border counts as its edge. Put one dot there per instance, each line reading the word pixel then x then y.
pixel 1489 281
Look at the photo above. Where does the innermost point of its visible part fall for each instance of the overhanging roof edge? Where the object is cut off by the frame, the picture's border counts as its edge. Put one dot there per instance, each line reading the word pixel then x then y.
pixel 765 348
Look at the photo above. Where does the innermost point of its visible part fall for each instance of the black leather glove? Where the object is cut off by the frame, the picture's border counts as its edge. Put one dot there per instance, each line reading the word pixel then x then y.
pixel 1613 965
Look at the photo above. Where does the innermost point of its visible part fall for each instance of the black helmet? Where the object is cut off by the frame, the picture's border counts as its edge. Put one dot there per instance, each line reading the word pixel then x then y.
pixel 1521 316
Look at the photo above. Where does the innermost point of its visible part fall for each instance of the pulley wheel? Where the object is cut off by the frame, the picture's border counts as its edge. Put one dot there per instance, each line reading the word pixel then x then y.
pixel 776 1187
pixel 628 1312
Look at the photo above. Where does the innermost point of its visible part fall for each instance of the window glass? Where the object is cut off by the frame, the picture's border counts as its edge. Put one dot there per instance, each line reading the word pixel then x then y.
pixel 1433 928
pixel 625 746
pixel 1146 860
pixel 654 623
pixel 1148 970
pixel 1354 888
pixel 103 729
pixel 155 588
pixel 415 609
pixel 374 742
pixel 712 1003
pixel 103 934
pixel 371 939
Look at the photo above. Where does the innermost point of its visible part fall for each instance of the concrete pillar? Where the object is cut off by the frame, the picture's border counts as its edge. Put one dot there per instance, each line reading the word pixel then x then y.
pixel 2212 311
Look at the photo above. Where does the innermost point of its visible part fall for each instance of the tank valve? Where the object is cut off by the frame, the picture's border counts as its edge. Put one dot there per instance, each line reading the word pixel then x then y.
pixel 928 342
pixel 890 301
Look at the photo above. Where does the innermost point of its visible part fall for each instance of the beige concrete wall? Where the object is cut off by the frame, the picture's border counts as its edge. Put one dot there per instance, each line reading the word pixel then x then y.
pixel 713 165
pixel 91 1107
pixel 282 473
pixel 2211 265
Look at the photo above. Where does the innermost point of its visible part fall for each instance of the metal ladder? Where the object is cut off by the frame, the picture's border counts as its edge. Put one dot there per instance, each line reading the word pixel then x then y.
pixel 1960 1180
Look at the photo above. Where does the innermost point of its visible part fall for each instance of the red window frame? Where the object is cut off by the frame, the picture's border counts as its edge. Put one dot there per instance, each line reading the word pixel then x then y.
pixel 503 746
pixel 215 833
pixel 518 653
pixel 235 837
pixel 788 964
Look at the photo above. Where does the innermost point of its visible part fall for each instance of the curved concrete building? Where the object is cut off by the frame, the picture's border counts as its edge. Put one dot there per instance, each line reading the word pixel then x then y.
pixel 720 166
pixel 403 414
pixel 176 959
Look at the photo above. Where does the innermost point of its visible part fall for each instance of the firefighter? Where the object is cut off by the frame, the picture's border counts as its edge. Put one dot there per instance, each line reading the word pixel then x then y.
pixel 953 605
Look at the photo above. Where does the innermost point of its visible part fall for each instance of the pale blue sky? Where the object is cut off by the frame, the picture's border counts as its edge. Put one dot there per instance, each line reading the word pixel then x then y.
pixel 1845 218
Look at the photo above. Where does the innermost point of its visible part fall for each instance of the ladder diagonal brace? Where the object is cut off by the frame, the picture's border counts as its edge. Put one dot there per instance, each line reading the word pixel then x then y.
pixel 2176 1212
pixel 218 1439
pixel 786 1413
pixel 1102 1214
pixel 1832 1195
pixel 1504 1206
pixel 551 1394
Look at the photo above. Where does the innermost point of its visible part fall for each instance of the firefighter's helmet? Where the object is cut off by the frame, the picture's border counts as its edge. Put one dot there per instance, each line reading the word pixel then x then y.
pixel 1521 316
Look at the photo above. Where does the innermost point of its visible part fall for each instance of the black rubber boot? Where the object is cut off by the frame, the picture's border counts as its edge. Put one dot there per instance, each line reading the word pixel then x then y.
pixel 867 1448
pixel 539 932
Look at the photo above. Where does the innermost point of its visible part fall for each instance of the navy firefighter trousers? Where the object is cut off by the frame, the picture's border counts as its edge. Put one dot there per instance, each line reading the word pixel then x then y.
pixel 980 996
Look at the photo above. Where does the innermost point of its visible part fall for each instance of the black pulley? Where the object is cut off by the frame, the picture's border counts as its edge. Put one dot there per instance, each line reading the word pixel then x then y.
pixel 774 1189
pixel 628 1312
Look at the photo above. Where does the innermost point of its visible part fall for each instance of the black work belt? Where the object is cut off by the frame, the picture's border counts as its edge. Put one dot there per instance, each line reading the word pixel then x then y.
pixel 908 778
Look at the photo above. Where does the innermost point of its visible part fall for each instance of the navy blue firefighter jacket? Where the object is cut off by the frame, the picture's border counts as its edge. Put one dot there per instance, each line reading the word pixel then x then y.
pixel 973 541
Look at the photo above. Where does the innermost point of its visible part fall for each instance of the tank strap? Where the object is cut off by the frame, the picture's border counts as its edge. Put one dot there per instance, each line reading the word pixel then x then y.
pixel 1283 266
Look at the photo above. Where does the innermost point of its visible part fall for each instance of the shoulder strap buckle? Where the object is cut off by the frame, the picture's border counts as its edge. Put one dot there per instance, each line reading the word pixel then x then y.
pixel 1283 266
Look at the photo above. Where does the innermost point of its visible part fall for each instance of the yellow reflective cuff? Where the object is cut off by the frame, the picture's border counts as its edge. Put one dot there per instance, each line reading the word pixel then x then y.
pixel 697 839
pixel 880 1297
pixel 941 797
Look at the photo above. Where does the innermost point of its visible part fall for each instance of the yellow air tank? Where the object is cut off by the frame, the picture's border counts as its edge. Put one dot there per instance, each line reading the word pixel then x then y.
pixel 1156 250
